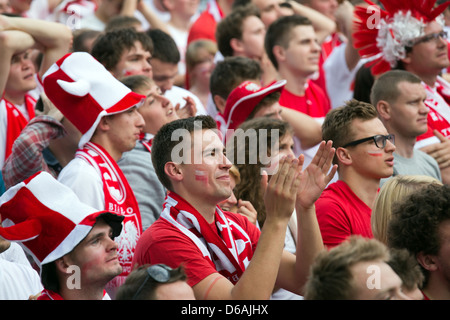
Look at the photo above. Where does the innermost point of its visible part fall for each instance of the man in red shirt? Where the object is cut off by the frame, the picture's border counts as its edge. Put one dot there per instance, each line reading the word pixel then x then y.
pixel 292 46
pixel 364 154
pixel 224 255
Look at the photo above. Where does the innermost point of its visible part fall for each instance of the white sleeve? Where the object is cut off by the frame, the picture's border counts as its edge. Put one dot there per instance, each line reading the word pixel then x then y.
pixel 85 181
pixel 338 77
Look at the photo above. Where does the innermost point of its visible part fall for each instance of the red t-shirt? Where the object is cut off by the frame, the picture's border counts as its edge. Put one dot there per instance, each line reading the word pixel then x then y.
pixel 162 242
pixel 314 102
pixel 341 213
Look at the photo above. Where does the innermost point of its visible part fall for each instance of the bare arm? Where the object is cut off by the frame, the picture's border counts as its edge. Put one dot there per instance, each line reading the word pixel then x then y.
pixel 323 25
pixel 344 18
pixel 306 129
pixel 258 280
pixel 294 270
pixel 11 42
pixel 152 18
pixel 52 38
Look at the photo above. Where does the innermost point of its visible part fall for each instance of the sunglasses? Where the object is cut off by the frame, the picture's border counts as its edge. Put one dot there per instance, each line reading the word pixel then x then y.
pixel 158 272
pixel 379 139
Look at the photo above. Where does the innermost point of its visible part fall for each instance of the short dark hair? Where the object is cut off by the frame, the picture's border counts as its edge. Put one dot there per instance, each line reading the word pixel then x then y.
pixel 163 142
pixel 337 124
pixel 231 72
pixel 279 33
pixel 109 47
pixel 386 86
pixel 80 38
pixel 164 47
pixel 230 27
pixel 49 277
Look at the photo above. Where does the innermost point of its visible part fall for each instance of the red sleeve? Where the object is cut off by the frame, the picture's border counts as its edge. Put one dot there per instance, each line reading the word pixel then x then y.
pixel 203 28
pixel 333 222
pixel 163 243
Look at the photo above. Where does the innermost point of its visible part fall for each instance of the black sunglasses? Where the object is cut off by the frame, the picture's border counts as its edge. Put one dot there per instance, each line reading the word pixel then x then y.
pixel 158 272
pixel 379 139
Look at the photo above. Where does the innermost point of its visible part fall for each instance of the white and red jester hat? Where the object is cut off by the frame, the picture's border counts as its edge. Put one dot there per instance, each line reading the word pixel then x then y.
pixel 382 35
pixel 84 91
pixel 47 219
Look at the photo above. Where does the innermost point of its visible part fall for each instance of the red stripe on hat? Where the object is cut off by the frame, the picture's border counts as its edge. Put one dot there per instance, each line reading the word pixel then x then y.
pixel 57 226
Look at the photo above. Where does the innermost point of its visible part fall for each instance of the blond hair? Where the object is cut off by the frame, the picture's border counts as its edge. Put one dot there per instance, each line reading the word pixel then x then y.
pixel 392 192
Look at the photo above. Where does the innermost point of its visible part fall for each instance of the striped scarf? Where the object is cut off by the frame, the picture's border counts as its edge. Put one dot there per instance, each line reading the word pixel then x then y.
pixel 225 243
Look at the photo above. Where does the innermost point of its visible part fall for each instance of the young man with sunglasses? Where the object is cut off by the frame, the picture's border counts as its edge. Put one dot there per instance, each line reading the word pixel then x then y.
pixel 399 97
pixel 364 155
pixel 410 36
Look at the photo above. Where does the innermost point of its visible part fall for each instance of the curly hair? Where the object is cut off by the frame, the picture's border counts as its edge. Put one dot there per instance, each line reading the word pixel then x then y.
pixel 416 221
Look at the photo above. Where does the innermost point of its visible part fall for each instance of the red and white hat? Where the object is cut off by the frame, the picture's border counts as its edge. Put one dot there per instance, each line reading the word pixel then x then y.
pixel 84 91
pixel 47 218
pixel 382 35
pixel 244 98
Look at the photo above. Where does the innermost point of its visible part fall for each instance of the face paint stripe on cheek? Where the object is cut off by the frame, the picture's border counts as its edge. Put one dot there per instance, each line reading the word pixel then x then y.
pixel 201 176
pixel 375 153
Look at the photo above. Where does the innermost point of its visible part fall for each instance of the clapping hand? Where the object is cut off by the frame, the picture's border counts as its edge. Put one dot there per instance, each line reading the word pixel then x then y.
pixel 316 176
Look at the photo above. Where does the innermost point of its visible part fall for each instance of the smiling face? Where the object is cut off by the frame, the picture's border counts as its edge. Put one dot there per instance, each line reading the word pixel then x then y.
pixel 206 178
pixel 157 110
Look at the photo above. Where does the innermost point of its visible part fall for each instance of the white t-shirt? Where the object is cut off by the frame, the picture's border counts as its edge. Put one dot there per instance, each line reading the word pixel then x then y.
pixel 85 181
pixel 17 278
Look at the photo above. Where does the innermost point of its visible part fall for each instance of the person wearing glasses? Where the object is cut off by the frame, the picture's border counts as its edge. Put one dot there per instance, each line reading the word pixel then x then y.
pixel 400 98
pixel 409 36
pixel 364 155
pixel 156 282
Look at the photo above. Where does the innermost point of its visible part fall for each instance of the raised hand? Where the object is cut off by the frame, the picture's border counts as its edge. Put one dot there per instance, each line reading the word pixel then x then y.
pixel 316 176
pixel 281 190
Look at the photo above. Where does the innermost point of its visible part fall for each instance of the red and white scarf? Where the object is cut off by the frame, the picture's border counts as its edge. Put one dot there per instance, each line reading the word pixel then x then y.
pixel 228 248
pixel 146 139
pixel 16 121
pixel 438 102
pixel 119 198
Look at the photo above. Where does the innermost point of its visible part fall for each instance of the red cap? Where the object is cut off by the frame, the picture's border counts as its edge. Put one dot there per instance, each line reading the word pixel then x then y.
pixel 244 98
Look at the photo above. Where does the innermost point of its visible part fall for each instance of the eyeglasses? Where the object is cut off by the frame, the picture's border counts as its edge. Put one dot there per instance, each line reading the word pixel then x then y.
pixel 158 272
pixel 429 37
pixel 379 139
